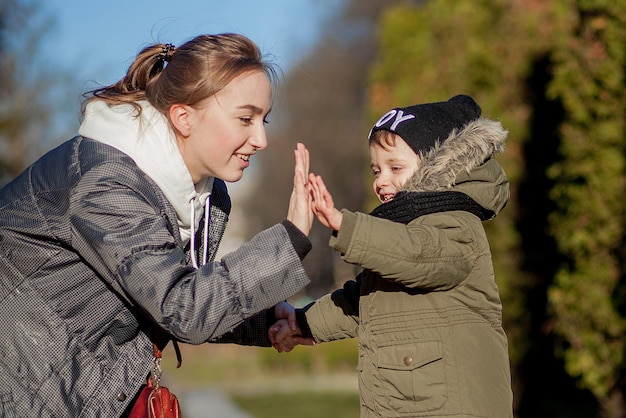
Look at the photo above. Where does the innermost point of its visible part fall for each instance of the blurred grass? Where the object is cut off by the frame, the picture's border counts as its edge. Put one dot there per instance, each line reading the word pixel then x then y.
pixel 218 364
pixel 307 382
pixel 301 405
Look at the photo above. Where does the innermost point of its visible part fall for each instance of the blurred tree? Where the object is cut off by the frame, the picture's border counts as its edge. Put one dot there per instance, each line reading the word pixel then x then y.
pixel 587 298
pixel 553 72
pixel 323 105
pixel 26 84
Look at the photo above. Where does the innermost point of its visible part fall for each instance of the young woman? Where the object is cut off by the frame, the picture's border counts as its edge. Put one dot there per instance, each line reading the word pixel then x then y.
pixel 107 242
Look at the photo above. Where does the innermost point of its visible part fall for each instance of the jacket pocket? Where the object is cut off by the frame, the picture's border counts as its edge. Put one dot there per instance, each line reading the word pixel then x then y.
pixel 411 377
pixel 7 408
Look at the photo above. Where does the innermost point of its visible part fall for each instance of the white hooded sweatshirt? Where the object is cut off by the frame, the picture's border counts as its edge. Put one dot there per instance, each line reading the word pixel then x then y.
pixel 150 141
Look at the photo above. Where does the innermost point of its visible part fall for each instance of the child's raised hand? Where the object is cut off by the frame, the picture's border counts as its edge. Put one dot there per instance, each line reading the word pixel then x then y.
pixel 323 205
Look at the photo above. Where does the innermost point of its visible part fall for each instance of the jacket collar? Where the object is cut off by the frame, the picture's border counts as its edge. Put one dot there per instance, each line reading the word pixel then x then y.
pixel 150 142
pixel 464 163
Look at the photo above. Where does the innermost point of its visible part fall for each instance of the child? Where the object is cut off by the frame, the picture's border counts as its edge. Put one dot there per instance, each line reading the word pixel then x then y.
pixel 425 308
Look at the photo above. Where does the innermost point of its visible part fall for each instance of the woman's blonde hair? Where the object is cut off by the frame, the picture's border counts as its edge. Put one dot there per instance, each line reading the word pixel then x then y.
pixel 165 75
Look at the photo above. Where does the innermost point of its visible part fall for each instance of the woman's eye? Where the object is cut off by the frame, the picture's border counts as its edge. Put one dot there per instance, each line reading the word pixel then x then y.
pixel 246 120
pixel 265 121
pixel 396 168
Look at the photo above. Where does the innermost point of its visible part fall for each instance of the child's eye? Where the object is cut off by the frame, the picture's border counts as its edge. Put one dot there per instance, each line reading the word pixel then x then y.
pixel 396 168
pixel 375 172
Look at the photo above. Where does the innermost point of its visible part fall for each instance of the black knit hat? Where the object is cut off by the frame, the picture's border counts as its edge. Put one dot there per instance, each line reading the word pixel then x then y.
pixel 423 125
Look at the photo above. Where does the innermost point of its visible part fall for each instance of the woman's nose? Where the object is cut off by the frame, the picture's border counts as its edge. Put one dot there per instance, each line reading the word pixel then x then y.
pixel 259 140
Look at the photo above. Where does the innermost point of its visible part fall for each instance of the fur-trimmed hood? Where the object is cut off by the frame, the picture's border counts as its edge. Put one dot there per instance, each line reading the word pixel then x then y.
pixel 464 163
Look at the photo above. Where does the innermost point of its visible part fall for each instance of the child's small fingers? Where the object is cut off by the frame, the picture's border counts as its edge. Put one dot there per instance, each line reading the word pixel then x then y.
pixel 321 185
pixel 319 193
pixel 282 334
pixel 304 340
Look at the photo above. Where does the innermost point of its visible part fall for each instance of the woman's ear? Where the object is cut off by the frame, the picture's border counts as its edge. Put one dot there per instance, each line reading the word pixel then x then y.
pixel 180 117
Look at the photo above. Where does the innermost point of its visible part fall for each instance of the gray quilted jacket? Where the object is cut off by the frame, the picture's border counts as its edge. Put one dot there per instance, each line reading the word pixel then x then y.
pixel 92 270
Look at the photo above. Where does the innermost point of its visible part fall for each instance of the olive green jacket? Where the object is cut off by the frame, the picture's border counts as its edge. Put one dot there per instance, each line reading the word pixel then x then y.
pixel 426 308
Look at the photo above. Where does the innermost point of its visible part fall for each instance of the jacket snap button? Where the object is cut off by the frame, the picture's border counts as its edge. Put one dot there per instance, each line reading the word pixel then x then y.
pixel 121 397
pixel 408 360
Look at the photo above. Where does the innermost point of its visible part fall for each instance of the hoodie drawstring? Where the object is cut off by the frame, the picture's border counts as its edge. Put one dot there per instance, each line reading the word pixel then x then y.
pixel 192 239
pixel 207 221
pixel 207 214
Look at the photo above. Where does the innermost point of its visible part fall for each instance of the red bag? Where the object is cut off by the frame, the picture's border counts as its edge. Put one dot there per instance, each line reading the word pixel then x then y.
pixel 154 400
pixel 155 403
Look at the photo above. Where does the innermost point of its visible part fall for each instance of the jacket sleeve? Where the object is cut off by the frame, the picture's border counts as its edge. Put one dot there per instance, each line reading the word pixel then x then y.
pixel 119 228
pixel 434 252
pixel 252 331
pixel 334 316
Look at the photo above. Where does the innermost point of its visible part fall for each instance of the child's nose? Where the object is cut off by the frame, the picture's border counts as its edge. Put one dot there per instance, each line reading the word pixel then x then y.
pixel 382 180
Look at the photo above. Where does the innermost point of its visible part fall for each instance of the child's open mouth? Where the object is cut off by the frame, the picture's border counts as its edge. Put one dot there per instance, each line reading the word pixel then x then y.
pixel 387 197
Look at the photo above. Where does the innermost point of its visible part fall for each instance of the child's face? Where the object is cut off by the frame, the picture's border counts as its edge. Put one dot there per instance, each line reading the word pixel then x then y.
pixel 392 167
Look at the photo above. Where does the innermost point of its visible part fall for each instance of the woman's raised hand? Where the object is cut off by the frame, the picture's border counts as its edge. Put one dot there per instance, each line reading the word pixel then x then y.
pixel 300 212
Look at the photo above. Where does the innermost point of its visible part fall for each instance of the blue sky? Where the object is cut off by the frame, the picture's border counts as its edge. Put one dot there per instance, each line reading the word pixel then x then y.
pixel 99 39
pixel 94 42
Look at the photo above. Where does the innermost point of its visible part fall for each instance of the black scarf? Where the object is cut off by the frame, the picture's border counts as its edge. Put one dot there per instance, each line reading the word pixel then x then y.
pixel 407 206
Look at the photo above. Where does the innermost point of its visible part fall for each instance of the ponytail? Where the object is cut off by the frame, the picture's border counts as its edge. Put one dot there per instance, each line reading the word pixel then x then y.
pixel 165 75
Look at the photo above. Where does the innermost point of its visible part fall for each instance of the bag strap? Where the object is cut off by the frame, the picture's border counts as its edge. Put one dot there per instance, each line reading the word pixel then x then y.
pixel 156 371
pixel 179 357
pixel 157 351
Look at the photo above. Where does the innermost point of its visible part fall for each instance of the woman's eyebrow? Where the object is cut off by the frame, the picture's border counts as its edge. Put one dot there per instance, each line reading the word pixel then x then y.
pixel 254 109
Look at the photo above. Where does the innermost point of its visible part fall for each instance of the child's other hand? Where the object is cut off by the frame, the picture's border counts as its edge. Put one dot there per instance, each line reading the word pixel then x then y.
pixel 284 338
pixel 323 205
pixel 280 336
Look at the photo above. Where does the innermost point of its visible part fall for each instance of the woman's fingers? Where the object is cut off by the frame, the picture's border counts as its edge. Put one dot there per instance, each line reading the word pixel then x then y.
pixel 300 213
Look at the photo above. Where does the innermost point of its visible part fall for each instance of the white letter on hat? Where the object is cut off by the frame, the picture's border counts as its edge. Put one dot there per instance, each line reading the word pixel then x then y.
pixel 400 119
pixel 385 118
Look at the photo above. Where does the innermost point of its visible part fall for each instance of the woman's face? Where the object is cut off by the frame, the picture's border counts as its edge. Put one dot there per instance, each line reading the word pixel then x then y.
pixel 392 167
pixel 227 128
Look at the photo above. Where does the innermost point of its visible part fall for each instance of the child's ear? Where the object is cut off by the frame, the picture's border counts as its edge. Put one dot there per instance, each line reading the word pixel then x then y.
pixel 180 117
